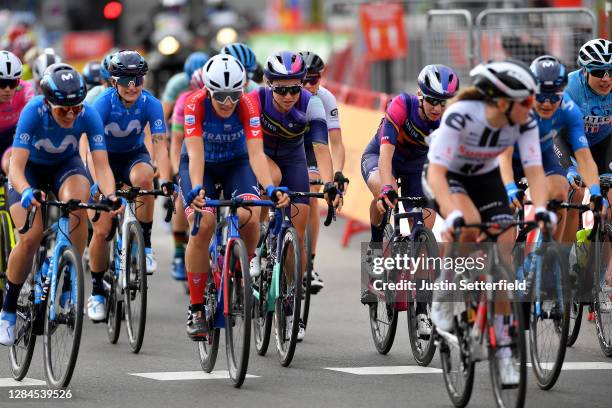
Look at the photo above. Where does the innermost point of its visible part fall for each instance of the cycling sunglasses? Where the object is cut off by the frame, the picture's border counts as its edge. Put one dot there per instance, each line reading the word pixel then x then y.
pixel 435 101
pixel 601 72
pixel 130 80
pixel 527 102
pixel 64 110
pixel 11 83
pixel 312 79
pixel 551 97
pixel 284 90
pixel 223 96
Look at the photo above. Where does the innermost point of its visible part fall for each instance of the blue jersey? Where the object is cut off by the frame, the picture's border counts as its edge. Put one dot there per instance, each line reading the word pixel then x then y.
pixel 596 110
pixel 49 143
pixel 567 117
pixel 124 127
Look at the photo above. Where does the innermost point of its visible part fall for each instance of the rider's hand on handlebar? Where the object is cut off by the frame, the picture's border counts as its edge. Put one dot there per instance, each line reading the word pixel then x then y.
pixel 28 197
pixel 278 195
pixel 116 203
pixel 453 221
pixel 543 216
pixel 196 198
pixel 514 195
pixel 333 196
pixel 341 182
pixel 169 188
pixel 386 199
pixel 573 177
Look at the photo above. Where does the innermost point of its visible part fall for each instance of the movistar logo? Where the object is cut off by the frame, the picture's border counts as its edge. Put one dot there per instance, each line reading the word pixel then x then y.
pixel 115 130
pixel 48 146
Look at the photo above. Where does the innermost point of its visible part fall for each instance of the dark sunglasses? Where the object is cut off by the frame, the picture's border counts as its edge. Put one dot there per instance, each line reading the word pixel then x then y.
pixel 130 80
pixel 284 90
pixel 11 83
pixel 312 80
pixel 64 110
pixel 434 101
pixel 222 96
pixel 601 72
pixel 552 97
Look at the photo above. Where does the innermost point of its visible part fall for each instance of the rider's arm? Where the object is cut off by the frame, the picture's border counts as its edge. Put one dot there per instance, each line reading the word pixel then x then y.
pixel 531 160
pixel 587 166
pixel 333 125
pixel 315 114
pixel 388 131
pixel 505 165
pixel 577 139
pixel 176 138
pixel 194 143
pixel 97 145
pixel 385 165
pixel 19 159
pixel 158 138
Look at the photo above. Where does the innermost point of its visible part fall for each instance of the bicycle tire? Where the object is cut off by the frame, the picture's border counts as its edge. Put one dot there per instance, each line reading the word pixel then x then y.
pixel 262 318
pixel 547 375
pixel 69 261
pixel 239 302
pixel 423 347
pixel 136 284
pixel 601 296
pixel 574 323
pixel 289 301
pixel 113 305
pixel 459 393
pixel 6 245
pixel 305 308
pixel 20 355
pixel 503 395
pixel 209 348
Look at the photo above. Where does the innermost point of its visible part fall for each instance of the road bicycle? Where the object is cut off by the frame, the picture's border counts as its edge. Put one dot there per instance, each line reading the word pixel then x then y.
pixel 7 235
pixel 50 302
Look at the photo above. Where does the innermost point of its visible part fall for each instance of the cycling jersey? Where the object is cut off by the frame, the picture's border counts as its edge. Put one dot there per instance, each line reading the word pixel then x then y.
pixel 178 114
pixel 596 109
pixel 176 84
pixel 465 143
pixel 285 133
pixel 124 127
pixel 251 86
pixel 9 111
pixel 49 143
pixel 224 139
pixel 94 93
pixel 331 108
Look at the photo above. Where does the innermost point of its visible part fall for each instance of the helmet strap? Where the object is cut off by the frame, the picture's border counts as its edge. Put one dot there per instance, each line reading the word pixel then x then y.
pixel 422 108
pixel 507 113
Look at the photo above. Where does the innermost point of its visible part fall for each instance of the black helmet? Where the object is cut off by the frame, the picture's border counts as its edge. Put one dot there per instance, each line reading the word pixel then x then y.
pixel 62 85
pixel 551 75
pixel 127 63
pixel 313 62
pixel 92 73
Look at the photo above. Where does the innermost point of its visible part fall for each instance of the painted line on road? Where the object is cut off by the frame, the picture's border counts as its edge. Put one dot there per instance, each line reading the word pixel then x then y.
pixel 582 365
pixel 187 375
pixel 386 370
pixel 26 382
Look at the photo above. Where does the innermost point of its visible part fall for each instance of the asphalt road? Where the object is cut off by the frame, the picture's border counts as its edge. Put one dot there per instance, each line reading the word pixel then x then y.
pixel 338 338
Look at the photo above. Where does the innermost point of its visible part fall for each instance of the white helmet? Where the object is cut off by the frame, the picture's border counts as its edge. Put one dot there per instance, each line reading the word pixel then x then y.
pixel 509 79
pixel 595 52
pixel 10 66
pixel 224 73
pixel 47 58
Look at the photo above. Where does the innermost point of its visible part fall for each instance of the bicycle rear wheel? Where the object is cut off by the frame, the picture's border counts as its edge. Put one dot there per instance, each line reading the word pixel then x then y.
pixel 287 307
pixel 602 293
pixel 209 348
pixel 135 294
pixel 62 335
pixel 575 322
pixel 113 307
pixel 549 319
pixel 238 319
pixel 422 343
pixel 20 353
pixel 457 368
pixel 262 318
pixel 6 245
pixel 513 347
pixel 305 308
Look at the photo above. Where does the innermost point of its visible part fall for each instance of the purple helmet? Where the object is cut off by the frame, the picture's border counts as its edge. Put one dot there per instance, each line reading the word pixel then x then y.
pixel 438 81
pixel 285 65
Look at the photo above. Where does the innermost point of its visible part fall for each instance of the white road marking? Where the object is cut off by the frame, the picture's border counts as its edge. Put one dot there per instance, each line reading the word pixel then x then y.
pixel 187 375
pixel 386 370
pixel 580 365
pixel 26 382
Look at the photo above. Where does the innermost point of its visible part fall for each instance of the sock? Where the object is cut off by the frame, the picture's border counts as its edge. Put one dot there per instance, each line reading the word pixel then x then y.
pixel 180 240
pixel 146 232
pixel 97 283
pixel 11 295
pixel 197 284
pixel 312 257
pixel 377 232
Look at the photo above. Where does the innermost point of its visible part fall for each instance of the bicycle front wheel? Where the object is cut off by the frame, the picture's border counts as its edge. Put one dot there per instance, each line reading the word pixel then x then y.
pixel 457 367
pixel 305 307
pixel 575 322
pixel 287 307
pixel 238 318
pixel 20 353
pixel 135 294
pixel 602 292
pixel 6 245
pixel 64 320
pixel 209 347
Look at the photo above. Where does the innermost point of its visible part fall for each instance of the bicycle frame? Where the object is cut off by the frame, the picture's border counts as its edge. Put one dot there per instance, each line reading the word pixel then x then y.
pixel 120 257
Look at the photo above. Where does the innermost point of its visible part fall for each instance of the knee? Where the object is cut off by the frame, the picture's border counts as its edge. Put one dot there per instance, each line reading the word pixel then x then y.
pixel 101 228
pixel 142 179
pixel 578 196
pixel 30 241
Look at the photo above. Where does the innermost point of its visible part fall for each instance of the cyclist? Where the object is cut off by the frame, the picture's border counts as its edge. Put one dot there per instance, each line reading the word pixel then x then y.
pixel 44 60
pixel 105 81
pixel 312 83
pixel 247 58
pixel 126 110
pixel 223 144
pixel 92 73
pixel 291 116
pixel 558 118
pixel 180 82
pixel 463 175
pixel 14 95
pixel 45 156
pixel 179 221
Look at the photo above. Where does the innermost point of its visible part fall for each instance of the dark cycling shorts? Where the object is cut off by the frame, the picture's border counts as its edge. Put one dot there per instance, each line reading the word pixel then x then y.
pixel 122 163
pixel 601 156
pixel 550 163
pixel 235 177
pixel 49 177
pixel 311 159
pixel 486 191
pixel 294 171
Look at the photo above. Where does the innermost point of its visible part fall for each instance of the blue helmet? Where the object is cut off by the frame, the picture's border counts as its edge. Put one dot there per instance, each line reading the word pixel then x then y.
pixel 92 73
pixel 285 65
pixel 62 85
pixel 551 75
pixel 242 53
pixel 195 60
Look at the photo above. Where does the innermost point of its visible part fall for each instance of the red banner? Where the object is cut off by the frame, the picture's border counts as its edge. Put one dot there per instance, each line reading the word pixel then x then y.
pixel 87 44
pixel 384 33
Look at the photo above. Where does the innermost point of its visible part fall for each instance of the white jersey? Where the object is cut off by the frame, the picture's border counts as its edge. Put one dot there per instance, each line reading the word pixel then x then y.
pixel 466 144
pixel 331 108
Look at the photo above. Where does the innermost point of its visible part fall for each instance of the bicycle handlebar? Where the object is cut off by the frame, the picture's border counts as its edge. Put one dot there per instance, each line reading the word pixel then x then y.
pixel 133 193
